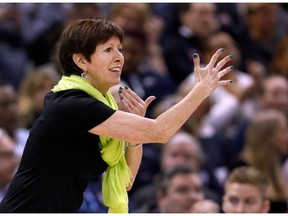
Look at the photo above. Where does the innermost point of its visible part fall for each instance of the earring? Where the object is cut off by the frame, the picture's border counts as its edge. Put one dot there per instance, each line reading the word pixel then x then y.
pixel 84 75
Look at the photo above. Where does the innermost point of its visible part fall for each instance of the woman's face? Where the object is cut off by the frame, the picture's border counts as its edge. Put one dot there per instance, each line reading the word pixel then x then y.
pixel 106 64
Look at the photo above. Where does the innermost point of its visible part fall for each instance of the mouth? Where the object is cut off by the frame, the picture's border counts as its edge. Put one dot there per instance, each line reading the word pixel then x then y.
pixel 116 69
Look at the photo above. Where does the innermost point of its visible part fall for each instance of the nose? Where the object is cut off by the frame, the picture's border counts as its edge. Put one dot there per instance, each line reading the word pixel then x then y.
pixel 196 196
pixel 119 56
pixel 240 208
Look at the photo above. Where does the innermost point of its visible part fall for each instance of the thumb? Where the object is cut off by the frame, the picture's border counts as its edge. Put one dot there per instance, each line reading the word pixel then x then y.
pixel 149 100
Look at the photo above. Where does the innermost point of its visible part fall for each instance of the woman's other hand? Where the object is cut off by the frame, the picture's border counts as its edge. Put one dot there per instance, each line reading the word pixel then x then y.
pixel 132 102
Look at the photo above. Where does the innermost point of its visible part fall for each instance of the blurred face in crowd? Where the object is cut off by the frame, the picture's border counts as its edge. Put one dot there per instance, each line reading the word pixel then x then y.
pixel 262 17
pixel 8 160
pixel 276 94
pixel 129 15
pixel 181 150
pixel 200 19
pixel 244 198
pixel 37 85
pixel 133 51
pixel 8 109
pixel 224 40
pixel 183 191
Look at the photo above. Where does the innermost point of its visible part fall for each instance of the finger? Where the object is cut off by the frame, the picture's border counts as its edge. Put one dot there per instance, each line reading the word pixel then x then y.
pixel 149 100
pixel 223 62
pixel 120 91
pixel 134 103
pixel 123 99
pixel 133 96
pixel 225 71
pixel 130 103
pixel 196 61
pixel 225 82
pixel 124 103
pixel 129 106
pixel 215 58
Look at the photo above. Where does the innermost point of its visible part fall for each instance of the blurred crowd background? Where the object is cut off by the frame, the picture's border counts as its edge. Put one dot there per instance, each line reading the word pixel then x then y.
pixel 244 124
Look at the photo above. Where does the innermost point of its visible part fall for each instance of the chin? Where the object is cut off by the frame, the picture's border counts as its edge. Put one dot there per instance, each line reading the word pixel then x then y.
pixel 115 83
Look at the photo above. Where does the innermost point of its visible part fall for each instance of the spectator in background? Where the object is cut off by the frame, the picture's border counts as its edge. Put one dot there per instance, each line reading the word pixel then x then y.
pixel 246 191
pixel 190 37
pixel 279 61
pixel 266 141
pixel 180 190
pixel 9 117
pixel 266 23
pixel 274 94
pixel 8 161
pixel 35 85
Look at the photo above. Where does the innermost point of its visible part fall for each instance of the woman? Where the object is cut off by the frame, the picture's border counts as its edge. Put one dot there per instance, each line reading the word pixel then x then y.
pixel 265 144
pixel 80 132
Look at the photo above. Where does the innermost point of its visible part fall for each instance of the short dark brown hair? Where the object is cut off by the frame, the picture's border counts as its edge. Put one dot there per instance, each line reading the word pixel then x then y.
pixel 249 175
pixel 82 37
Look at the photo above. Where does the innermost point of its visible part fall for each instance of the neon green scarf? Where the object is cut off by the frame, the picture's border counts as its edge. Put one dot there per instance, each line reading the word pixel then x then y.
pixel 117 175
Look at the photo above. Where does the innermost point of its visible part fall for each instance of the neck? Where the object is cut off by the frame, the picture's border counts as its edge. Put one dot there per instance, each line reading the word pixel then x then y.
pixel 101 89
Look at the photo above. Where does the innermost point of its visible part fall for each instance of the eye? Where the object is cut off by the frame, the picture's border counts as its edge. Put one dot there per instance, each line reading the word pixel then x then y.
pixel 120 50
pixel 108 49
pixel 182 189
pixel 233 200
pixel 250 201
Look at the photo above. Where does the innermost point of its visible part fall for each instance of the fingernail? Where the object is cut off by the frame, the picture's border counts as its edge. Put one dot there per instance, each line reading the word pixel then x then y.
pixel 222 49
pixel 126 87
pixel 231 81
pixel 195 55
pixel 120 88
pixel 120 91
pixel 231 56
pixel 232 67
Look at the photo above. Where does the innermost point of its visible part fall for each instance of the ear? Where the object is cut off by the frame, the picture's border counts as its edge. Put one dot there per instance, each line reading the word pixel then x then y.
pixel 266 206
pixel 160 199
pixel 80 61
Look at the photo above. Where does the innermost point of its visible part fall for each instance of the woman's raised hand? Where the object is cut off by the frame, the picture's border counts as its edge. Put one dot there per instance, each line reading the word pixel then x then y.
pixel 210 75
pixel 132 102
